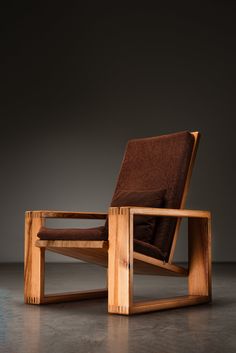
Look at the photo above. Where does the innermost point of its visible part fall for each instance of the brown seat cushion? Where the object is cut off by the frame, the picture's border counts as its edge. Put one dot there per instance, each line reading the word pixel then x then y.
pixel 96 233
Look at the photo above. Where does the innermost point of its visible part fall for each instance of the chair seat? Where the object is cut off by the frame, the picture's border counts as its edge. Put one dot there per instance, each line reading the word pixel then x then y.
pixel 96 233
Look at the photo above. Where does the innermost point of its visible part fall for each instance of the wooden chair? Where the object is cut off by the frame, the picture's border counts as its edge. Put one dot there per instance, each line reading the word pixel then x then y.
pixel 143 225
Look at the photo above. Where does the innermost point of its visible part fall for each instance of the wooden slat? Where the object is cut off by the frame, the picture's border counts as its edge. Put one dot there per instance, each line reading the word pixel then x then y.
pixel 147 265
pixel 73 296
pixel 66 214
pixel 169 212
pixel 168 303
pixel 95 256
pixel 95 244
pixel 143 264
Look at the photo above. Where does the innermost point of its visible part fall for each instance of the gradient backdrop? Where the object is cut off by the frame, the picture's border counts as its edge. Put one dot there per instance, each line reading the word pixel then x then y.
pixel 79 80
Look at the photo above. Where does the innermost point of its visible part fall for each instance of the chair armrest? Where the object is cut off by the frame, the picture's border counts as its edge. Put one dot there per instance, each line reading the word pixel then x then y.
pixel 65 214
pixel 166 212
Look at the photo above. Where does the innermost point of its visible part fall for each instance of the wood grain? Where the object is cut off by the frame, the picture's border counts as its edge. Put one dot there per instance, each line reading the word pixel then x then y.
pixel 34 270
pixel 120 261
pixel 66 214
pixel 169 212
pixel 93 244
pixel 120 286
pixel 74 296
pixel 148 265
pixel 34 261
pixel 95 256
pixel 199 240
pixel 168 303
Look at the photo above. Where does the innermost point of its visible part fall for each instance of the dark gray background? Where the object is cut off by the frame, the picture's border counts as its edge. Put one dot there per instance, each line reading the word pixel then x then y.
pixel 79 80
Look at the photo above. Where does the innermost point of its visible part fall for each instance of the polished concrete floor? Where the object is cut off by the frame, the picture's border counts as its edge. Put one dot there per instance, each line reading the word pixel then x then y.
pixel 86 327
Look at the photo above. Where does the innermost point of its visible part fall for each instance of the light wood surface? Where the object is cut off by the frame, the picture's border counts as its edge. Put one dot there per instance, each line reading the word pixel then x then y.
pixel 169 212
pixel 66 214
pixel 95 256
pixel 168 303
pixel 120 266
pixel 98 254
pixel 34 271
pixel 74 296
pixel 199 242
pixel 148 265
pixel 92 244
pixel 34 261
pixel 120 261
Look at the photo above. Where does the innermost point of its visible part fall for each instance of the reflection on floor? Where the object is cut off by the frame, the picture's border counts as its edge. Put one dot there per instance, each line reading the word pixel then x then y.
pixel 86 327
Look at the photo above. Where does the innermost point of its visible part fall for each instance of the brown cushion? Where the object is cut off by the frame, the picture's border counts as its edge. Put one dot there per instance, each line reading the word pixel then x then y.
pixel 96 233
pixel 144 226
pixel 158 163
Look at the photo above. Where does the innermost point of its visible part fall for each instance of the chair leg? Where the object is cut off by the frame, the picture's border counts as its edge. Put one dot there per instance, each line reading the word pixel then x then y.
pixel 199 279
pixel 120 266
pixel 34 260
pixel 120 262
pixel 199 243
pixel 34 269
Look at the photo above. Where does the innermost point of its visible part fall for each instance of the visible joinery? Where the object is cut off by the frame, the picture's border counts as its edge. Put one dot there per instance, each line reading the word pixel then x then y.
pixel 199 241
pixel 120 261
pixel 117 254
pixel 34 260
pixel 199 273
pixel 34 273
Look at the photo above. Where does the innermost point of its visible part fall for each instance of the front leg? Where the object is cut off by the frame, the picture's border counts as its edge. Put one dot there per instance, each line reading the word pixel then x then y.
pixel 120 261
pixel 34 261
pixel 199 241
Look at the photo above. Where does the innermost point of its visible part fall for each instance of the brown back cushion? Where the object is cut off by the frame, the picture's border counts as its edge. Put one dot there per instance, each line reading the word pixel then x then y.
pixel 158 163
pixel 144 226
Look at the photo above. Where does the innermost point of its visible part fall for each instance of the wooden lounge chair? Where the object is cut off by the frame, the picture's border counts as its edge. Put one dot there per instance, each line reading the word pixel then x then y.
pixel 140 231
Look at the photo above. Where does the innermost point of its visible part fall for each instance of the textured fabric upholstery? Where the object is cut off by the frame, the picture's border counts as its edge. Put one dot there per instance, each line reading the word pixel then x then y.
pixel 144 226
pixel 159 163
pixel 150 164
pixel 96 233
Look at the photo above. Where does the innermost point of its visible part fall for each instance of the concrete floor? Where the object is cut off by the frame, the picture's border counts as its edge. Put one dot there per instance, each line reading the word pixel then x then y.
pixel 86 327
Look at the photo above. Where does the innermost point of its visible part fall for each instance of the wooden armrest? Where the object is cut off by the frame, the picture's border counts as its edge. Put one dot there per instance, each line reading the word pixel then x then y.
pixel 168 212
pixel 64 214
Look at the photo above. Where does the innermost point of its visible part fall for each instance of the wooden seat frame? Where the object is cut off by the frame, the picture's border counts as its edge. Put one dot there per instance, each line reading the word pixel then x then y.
pixel 117 254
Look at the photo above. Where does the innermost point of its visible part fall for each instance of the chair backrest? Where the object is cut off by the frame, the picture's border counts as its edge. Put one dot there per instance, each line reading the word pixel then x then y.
pixel 160 163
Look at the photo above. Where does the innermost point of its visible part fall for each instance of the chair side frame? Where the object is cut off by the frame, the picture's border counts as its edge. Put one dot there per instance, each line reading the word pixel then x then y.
pixel 34 259
pixel 121 255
